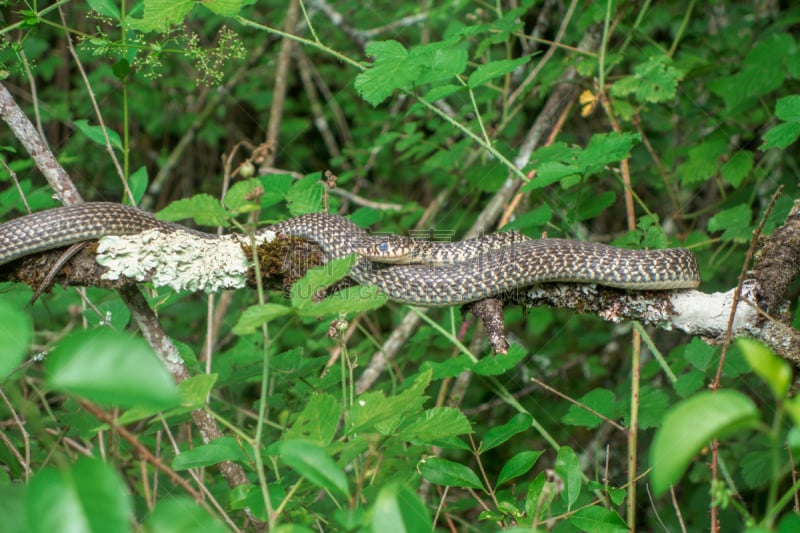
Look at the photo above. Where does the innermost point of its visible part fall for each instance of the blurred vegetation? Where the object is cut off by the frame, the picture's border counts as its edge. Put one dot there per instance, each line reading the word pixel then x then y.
pixel 423 105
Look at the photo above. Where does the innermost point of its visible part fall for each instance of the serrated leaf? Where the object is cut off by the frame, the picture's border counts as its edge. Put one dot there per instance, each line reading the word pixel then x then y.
pixel 159 15
pixel 95 134
pixel 373 408
pixel 315 279
pixel 442 91
pixel 255 316
pixel 734 223
pixel 653 81
pixel 318 420
pixel 226 8
pixel 347 301
pixel 202 208
pixel 315 464
pixel 436 423
pixel 518 465
pixel 781 136
pixel 550 172
pixel 111 368
pixel 500 363
pixel 604 149
pixel 738 167
pixel 215 452
pixel 306 195
pixel 15 337
pixel 496 436
pixel 240 198
pixel 389 71
pixel 107 8
pixel 568 469
pixel 443 472
pixel 769 367
pixel 788 108
pixel 691 425
pixel 492 70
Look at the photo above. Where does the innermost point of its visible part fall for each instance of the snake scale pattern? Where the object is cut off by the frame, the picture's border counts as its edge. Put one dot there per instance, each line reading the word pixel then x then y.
pixel 486 267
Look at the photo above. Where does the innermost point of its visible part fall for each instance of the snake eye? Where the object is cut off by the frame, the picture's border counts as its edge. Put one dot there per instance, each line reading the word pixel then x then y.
pixel 383 246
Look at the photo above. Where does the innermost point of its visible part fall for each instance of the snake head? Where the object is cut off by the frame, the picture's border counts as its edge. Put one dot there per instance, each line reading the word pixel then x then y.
pixel 388 249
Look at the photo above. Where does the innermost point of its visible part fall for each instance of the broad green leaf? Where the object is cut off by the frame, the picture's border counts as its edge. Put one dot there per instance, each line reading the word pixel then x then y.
pixel 595 205
pixel 254 316
pixel 492 70
pixel 738 167
pixel 226 8
pixel 315 464
pixel 111 368
pixel 781 136
pixel 275 188
pixel 535 218
pixel 601 400
pixel 500 363
pixel 439 63
pixel 788 108
pixel 734 223
pixel 496 436
pixel 436 423
pixel 159 15
pixel 95 134
pixel 539 497
pixel 597 519
pixel 389 71
pixel 769 367
pixel 12 507
pixel 654 81
pixel 215 452
pixel 604 149
pixel 350 300
pixel 315 279
pixel 202 208
pixel 88 496
pixel 107 8
pixel 194 393
pixel 240 198
pixel 181 515
pixel 138 182
pixel 548 173
pixel 653 404
pixel 568 469
pixel 518 465
pixel 691 425
pixel 318 420
pixel 374 408
pixel 15 336
pixel 305 196
pixel 442 91
pixel 703 162
pixel 443 472
pixel 398 509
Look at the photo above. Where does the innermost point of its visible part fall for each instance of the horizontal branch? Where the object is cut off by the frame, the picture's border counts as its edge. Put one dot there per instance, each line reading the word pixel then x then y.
pixel 186 261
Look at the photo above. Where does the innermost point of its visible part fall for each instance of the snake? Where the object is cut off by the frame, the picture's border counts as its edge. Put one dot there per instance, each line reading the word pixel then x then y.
pixel 495 265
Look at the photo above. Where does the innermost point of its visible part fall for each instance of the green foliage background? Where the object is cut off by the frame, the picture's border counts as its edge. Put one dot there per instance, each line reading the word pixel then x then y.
pixel 424 105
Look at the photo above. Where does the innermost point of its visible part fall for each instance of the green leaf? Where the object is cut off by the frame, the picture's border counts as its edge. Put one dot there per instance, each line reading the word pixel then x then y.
pixel 318 278
pixel 202 208
pixel 215 452
pixel 443 472
pixel 568 469
pixel 518 465
pixel 534 218
pixel 138 182
pixel 492 70
pixel 734 223
pixel 442 91
pixel 350 300
pixel 738 167
pixel 226 8
pixel 601 400
pixel 496 436
pixel 654 81
pixel 15 337
pixel 398 509
pixel 389 71
pixel 374 408
pixel 305 196
pixel 241 198
pixel 604 149
pixel 181 515
pixel 703 162
pixel 255 316
pixel 159 15
pixel 313 463
pixel 318 420
pixel 95 134
pixel 550 172
pixel 107 8
pixel 193 392
pixel 597 519
pixel 275 188
pixel 89 496
pixel 691 425
pixel 500 363
pixel 596 205
pixel 539 497
pixel 436 423
pixel 769 367
pixel 111 368
pixel 781 136
pixel 788 108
